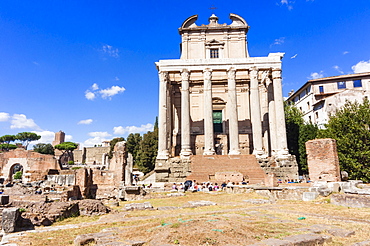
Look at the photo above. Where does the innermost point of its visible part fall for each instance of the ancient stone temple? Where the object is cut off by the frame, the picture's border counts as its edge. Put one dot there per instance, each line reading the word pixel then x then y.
pixel 216 102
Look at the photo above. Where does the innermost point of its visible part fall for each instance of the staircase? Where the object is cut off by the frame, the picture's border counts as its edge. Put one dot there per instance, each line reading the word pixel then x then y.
pixel 203 168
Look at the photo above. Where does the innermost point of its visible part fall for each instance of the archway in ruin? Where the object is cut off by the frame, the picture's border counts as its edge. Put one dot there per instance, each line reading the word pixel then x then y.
pixel 17 167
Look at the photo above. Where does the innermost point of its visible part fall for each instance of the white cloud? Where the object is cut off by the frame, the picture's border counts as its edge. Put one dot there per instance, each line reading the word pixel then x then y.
pixel 89 95
pixel 109 92
pixel 46 136
pixel 36 63
pixel 99 134
pixel 294 56
pixel 316 75
pixel 20 121
pixel 4 116
pixel 85 122
pixel 361 67
pixel 109 50
pixel 120 130
pixel 95 87
pixel 68 138
pixel 345 52
pixel 338 69
pixel 287 3
pixel 94 141
pixel 279 41
pixel 116 78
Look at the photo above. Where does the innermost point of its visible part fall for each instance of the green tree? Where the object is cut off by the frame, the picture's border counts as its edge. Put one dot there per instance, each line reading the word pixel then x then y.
pixel 293 120
pixel 306 132
pixel 112 144
pixel 27 137
pixel 6 139
pixel 133 144
pixel 7 146
pixel 350 127
pixel 147 153
pixel 67 149
pixel 43 148
pixel 18 175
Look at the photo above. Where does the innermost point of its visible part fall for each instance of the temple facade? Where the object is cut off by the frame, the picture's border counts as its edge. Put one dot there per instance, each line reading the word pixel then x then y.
pixel 217 100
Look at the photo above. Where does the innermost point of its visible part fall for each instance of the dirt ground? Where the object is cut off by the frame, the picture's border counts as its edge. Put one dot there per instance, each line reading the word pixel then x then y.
pixel 236 219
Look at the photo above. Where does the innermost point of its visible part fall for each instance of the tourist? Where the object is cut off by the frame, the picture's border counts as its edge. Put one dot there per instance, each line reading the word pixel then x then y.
pixel 174 186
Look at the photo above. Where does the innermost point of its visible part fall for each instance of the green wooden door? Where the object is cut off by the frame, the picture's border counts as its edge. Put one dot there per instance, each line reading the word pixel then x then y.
pixel 217 121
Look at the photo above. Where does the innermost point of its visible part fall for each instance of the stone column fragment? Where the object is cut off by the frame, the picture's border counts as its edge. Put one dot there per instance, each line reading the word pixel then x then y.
pixel 185 115
pixel 282 145
pixel 208 114
pixel 233 113
pixel 256 114
pixel 162 116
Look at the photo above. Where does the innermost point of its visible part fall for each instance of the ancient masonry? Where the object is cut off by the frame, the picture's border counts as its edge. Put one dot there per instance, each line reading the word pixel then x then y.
pixel 217 100
pixel 322 160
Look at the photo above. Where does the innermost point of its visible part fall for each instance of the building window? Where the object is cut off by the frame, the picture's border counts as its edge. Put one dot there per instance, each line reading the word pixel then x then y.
pixel 357 83
pixel 217 121
pixel 321 89
pixel 214 53
pixel 308 105
pixel 341 85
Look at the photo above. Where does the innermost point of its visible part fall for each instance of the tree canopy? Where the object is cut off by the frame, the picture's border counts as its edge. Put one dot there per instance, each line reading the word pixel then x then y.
pixel 66 148
pixel 43 148
pixel 133 144
pixel 27 137
pixel 350 126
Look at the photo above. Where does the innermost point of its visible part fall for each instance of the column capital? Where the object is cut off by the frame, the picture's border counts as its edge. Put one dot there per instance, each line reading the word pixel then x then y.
pixel 253 73
pixel 231 73
pixel 185 74
pixel 276 73
pixel 163 76
pixel 207 73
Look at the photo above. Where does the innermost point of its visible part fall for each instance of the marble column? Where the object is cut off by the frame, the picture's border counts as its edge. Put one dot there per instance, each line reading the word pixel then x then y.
pixel 256 114
pixel 281 137
pixel 272 116
pixel 185 115
pixel 233 113
pixel 208 113
pixel 162 116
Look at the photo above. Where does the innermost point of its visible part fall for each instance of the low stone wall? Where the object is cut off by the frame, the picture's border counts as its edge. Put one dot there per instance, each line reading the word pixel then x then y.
pixel 283 193
pixel 349 200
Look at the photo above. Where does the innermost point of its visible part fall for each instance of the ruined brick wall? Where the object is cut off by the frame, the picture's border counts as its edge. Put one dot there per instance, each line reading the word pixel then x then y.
pixel 35 165
pixel 322 160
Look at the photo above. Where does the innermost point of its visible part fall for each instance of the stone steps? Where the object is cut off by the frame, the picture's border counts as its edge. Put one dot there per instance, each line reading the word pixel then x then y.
pixel 204 168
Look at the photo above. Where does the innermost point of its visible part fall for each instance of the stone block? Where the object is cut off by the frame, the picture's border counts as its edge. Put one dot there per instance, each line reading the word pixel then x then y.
pixel 10 219
pixel 310 239
pixel 4 199
pixel 322 160
pixel 350 200
pixel 364 243
pixel 338 232
pixel 309 196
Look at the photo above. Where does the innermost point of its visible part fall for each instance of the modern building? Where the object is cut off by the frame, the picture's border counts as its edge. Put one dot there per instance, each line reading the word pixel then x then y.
pixel 217 100
pixel 317 99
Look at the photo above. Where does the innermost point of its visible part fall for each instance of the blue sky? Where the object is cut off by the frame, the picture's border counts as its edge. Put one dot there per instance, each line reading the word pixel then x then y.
pixel 87 67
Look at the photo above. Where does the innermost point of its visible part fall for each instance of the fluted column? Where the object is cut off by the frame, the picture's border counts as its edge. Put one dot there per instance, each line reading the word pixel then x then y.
pixel 256 114
pixel 279 114
pixel 272 116
pixel 185 115
pixel 162 116
pixel 208 114
pixel 233 113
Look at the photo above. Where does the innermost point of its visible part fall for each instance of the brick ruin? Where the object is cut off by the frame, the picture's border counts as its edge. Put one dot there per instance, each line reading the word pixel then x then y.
pixel 322 160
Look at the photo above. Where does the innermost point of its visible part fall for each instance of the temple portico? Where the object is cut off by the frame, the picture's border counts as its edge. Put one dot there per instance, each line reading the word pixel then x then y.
pixel 217 100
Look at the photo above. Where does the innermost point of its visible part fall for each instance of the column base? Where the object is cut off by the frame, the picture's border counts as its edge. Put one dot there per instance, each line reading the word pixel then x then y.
pixel 163 155
pixel 259 153
pixel 282 154
pixel 185 153
pixel 234 152
pixel 209 152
